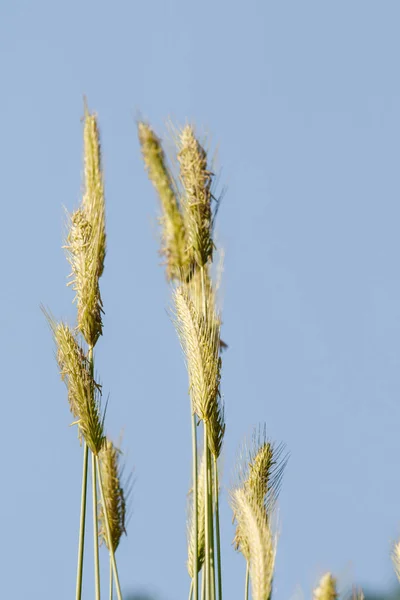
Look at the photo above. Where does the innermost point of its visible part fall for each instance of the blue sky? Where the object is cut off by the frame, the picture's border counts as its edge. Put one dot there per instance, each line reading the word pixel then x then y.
pixel 302 100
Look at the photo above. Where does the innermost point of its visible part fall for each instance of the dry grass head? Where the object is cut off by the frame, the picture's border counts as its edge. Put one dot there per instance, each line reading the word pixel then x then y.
pixel 86 238
pixel 84 393
pixel 174 244
pixel 260 474
pixel 114 495
pixel 200 524
pixel 258 542
pixel 200 340
pixel 326 589
pixel 196 180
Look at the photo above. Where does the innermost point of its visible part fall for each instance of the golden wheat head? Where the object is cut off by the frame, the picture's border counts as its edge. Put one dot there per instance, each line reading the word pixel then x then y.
pixel 200 340
pixel 83 392
pixel 172 225
pixel 114 495
pixel 326 589
pixel 196 180
pixel 86 239
pixel 259 544
pixel 260 475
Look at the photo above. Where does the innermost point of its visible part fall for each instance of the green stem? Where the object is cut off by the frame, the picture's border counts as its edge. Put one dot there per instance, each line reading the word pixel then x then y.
pixel 95 530
pixel 195 580
pixel 207 561
pixel 191 591
pixel 211 524
pixel 246 587
pixel 203 583
pixel 111 581
pixel 81 546
pixel 217 528
pixel 108 531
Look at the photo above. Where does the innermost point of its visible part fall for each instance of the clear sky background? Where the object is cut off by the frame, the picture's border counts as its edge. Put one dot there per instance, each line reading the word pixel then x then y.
pixel 303 100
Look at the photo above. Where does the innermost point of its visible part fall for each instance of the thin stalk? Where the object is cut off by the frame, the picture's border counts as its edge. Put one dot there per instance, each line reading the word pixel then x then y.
pixel 211 524
pixel 81 546
pixel 246 587
pixel 94 497
pixel 95 530
pixel 195 580
pixel 191 591
pixel 108 531
pixel 208 518
pixel 217 528
pixel 203 583
pixel 111 581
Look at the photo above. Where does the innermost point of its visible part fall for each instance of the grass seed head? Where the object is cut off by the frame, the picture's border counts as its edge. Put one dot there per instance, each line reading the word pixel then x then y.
pixel 86 239
pixel 113 494
pixel 196 180
pixel 259 544
pixel 174 244
pixel 83 392
pixel 199 338
pixel 326 589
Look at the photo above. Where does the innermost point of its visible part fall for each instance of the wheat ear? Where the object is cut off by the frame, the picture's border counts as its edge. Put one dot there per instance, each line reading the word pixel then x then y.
pixel 86 240
pixel 114 494
pixel 326 589
pixel 258 542
pixel 196 180
pixel 174 245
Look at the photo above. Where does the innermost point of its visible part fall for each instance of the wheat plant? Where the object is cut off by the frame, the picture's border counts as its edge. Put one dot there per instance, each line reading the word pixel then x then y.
pixel 188 209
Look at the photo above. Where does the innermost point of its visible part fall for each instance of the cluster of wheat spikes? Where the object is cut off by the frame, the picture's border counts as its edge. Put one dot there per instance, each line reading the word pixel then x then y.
pixel 86 249
pixel 188 211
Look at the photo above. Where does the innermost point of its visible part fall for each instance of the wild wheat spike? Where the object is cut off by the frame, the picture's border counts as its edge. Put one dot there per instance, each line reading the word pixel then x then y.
pixel 113 493
pixel 83 392
pixel 326 589
pixel 196 181
pixel 86 239
pixel 259 545
pixel 172 225
pixel 200 342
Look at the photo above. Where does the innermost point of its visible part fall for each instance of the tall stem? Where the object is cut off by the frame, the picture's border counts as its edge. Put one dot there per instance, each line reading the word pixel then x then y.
pixel 195 580
pixel 207 565
pixel 246 588
pixel 108 531
pixel 217 529
pixel 211 524
pixel 95 530
pixel 81 546
pixel 191 591
pixel 111 581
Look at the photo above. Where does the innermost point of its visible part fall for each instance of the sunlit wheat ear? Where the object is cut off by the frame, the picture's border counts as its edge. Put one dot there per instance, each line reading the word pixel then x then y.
pixel 86 239
pixel 83 392
pixel 326 589
pixel 196 180
pixel 199 338
pixel 260 474
pixel 259 544
pixel 200 524
pixel 115 497
pixel 396 559
pixel 174 245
